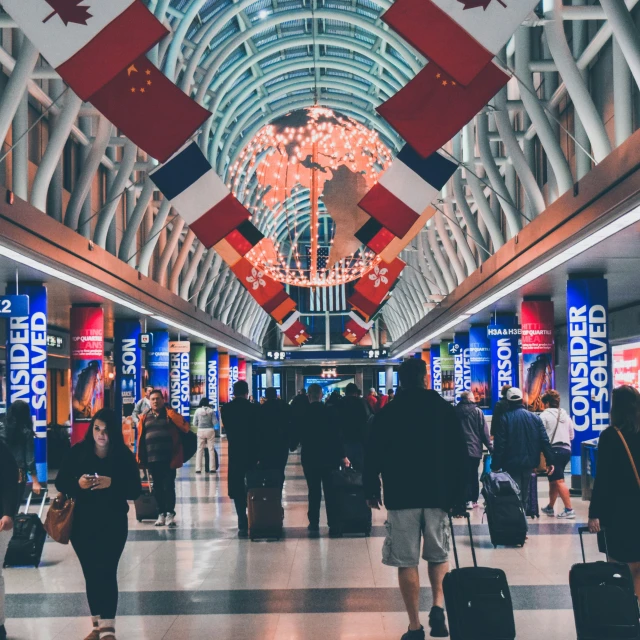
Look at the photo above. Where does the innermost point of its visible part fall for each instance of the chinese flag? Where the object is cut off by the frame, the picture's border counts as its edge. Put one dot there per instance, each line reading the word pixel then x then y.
pixel 149 109
pixel 432 108
pixel 374 285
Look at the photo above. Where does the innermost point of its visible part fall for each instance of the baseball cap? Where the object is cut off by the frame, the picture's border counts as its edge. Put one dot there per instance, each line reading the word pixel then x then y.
pixel 514 394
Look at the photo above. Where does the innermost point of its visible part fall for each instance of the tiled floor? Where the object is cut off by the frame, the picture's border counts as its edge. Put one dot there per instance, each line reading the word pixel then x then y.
pixel 200 581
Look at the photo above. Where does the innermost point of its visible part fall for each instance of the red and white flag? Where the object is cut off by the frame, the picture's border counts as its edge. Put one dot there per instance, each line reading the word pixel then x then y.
pixel 88 42
pixel 433 107
pixel 266 291
pixel 461 36
pixel 356 328
pixel 373 287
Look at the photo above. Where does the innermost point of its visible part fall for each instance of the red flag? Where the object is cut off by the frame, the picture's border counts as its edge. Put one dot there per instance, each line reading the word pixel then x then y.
pixel 297 333
pixel 373 286
pixel 149 109
pixel 268 293
pixel 433 107
pixel 356 328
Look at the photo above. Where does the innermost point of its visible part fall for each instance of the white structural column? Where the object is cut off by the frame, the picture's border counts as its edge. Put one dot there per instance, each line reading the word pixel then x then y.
pixel 622 95
pixel 134 221
pixel 625 32
pixel 20 153
pixel 154 234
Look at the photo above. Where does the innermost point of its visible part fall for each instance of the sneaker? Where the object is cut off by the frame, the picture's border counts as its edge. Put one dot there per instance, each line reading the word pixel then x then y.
pixel 567 514
pixel 437 623
pixel 197 471
pixel 161 521
pixel 243 533
pixel 475 505
pixel 548 511
pixel 171 520
pixel 416 634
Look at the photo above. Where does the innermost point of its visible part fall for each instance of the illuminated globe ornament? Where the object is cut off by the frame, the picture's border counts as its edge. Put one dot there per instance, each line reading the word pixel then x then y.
pixel 301 177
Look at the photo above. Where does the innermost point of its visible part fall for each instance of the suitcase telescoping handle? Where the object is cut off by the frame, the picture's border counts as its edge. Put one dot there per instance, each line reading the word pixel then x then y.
pixel 581 531
pixel 453 539
pixel 44 500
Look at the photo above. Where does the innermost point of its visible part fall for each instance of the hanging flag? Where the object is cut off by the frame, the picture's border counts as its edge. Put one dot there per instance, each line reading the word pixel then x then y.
pixel 356 328
pixel 244 237
pixel 393 249
pixel 374 285
pixel 227 252
pixel 433 107
pixel 294 329
pixel 406 189
pixel 199 195
pixel 373 235
pixel 283 309
pixel 87 43
pixel 268 293
pixel 149 109
pixel 460 36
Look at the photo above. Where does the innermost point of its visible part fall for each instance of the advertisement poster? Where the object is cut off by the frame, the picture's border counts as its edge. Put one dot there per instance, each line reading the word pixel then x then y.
pixel 447 367
pixel 127 359
pixel 504 355
pixel 233 374
pixel 480 365
pixel 538 371
pixel 242 369
pixel 27 365
pixel 426 356
pixel 436 369
pixel 198 374
pixel 462 365
pixel 158 363
pixel 223 378
pixel 590 371
pixel 180 377
pixel 626 365
pixel 213 384
pixel 87 366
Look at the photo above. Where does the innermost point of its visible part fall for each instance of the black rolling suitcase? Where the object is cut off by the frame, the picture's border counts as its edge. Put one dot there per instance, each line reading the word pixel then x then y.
pixel 478 600
pixel 264 504
pixel 145 504
pixel 604 603
pixel 27 542
pixel 350 504
pixel 505 516
pixel 533 508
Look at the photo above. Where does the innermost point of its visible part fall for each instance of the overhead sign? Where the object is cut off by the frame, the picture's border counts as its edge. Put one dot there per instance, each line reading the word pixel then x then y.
pixel 502 331
pixel 145 340
pixel 14 306
pixel 158 362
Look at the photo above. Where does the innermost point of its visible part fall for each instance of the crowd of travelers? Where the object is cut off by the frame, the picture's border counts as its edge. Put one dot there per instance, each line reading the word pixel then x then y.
pixel 417 455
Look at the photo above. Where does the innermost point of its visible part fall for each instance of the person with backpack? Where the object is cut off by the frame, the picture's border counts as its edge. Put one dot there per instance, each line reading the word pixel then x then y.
pixel 101 475
pixel 17 434
pixel 205 421
pixel 8 500
pixel 559 427
pixel 519 439
pixel 615 502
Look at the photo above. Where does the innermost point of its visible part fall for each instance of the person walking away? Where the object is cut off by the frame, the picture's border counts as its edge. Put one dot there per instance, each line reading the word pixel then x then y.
pixel 241 420
pixel 322 452
pixel 519 439
pixel 615 503
pixel 334 398
pixel 9 490
pixel 372 400
pixel 382 402
pixel 275 433
pixel 559 428
pixel 17 434
pixel 353 418
pixel 391 395
pixel 101 475
pixel 205 422
pixel 142 406
pixel 160 451
pixel 423 469
pixel 476 433
pixel 299 406
pixel 500 408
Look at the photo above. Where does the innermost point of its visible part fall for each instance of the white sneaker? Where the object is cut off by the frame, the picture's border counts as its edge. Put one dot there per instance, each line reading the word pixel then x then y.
pixel 161 521
pixel 567 514
pixel 171 522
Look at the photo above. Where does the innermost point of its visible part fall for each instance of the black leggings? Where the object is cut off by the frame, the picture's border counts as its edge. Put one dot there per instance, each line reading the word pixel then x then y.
pixel 99 543
pixel 473 484
pixel 164 486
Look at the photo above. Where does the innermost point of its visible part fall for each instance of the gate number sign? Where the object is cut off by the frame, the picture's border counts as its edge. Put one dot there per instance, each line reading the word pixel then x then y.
pixel 14 306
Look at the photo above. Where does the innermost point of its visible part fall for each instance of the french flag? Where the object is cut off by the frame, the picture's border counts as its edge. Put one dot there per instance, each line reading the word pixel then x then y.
pixel 196 192
pixel 460 36
pixel 406 189
pixel 88 42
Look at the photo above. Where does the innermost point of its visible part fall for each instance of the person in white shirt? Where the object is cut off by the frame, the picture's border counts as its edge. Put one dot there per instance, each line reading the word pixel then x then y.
pixel 142 406
pixel 559 427
pixel 205 421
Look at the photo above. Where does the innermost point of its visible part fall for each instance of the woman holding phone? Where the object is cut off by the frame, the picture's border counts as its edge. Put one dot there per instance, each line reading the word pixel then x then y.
pixel 101 474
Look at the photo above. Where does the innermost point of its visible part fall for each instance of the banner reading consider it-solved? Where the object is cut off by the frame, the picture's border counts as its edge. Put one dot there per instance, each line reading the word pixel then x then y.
pixel 179 377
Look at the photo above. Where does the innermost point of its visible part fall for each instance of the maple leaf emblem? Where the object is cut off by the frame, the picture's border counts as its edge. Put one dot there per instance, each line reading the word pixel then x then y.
pixel 256 279
pixel 474 4
pixel 69 11
pixel 379 276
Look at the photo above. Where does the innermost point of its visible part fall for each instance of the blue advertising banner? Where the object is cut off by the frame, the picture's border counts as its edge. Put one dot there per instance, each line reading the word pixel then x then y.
pixel 180 377
pixel 461 365
pixel 27 365
pixel 213 381
pixel 480 365
pixel 127 359
pixel 504 360
pixel 436 370
pixel 158 363
pixel 590 371
pixel 233 373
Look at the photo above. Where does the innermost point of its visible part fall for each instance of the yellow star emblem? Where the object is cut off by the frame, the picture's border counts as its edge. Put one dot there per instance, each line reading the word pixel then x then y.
pixel 438 75
pixel 444 83
pixel 149 82
pixel 148 72
pixel 133 89
pixel 142 90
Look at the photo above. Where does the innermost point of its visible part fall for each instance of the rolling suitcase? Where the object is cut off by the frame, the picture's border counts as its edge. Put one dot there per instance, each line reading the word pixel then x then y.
pixel 350 504
pixel 478 600
pixel 264 479
pixel 145 504
pixel 266 514
pixel 27 542
pixel 505 515
pixel 604 602
pixel 533 509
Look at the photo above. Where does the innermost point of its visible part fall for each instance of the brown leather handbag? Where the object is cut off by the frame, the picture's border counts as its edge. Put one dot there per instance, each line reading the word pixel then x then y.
pixel 59 518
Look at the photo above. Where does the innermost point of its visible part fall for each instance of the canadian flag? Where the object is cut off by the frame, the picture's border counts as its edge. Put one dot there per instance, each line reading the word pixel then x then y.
pixel 88 42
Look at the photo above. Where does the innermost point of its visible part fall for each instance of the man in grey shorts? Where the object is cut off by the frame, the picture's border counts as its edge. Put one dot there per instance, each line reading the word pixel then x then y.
pixel 417 446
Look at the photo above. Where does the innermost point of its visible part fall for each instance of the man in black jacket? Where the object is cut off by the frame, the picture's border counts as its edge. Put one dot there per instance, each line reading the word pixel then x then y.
pixel 417 446
pixel 519 439
pixel 275 433
pixel 241 419
pixel 353 417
